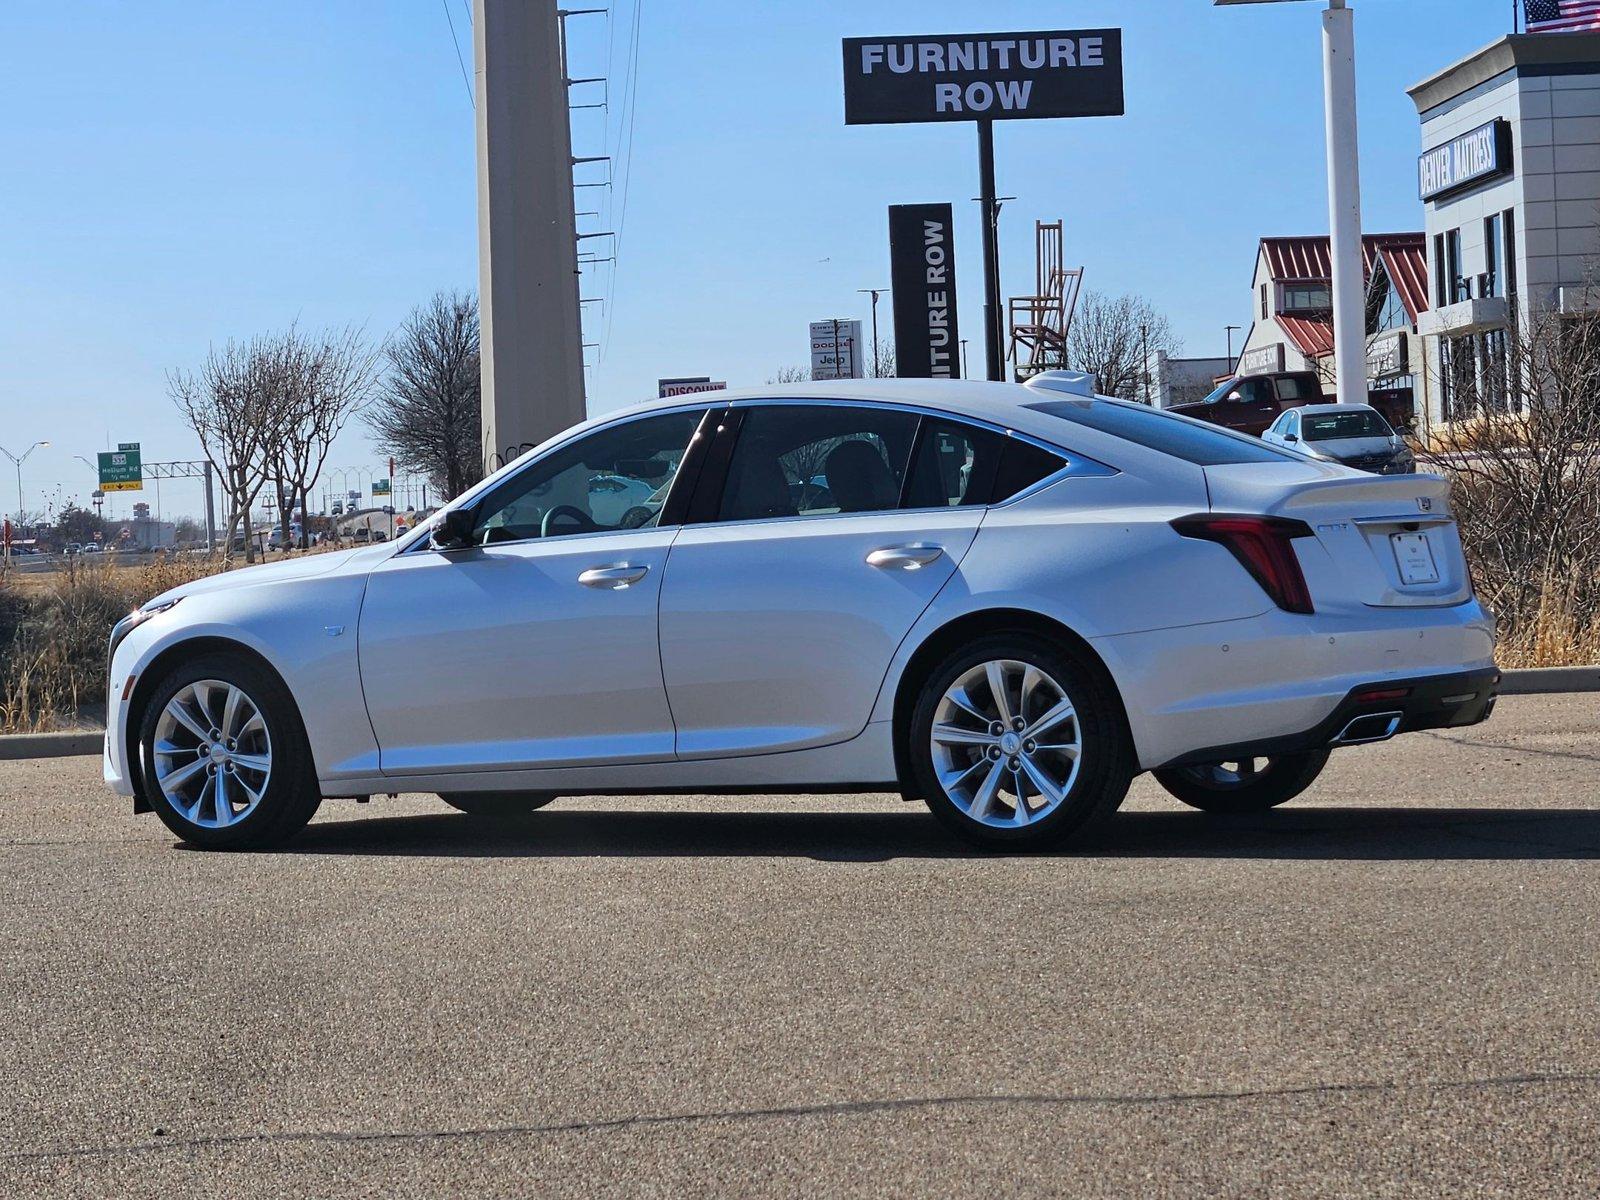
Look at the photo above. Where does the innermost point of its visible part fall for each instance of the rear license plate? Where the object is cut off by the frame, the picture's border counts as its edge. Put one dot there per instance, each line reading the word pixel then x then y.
pixel 1414 557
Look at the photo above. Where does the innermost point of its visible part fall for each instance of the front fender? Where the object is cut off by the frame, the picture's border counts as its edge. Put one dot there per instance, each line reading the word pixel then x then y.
pixel 304 629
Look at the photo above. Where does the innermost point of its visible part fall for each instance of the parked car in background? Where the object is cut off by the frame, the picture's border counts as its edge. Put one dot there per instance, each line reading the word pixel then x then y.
pixel 1250 403
pixel 93 548
pixel 1355 435
pixel 1005 601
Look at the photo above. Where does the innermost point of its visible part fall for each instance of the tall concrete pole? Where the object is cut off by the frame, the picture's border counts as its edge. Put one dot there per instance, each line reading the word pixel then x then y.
pixel 532 334
pixel 1344 202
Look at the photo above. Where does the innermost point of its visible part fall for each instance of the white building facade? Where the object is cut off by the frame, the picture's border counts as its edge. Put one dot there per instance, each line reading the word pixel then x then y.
pixel 1509 177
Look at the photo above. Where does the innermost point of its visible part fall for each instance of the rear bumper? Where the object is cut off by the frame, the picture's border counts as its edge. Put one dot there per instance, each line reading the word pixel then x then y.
pixel 1430 702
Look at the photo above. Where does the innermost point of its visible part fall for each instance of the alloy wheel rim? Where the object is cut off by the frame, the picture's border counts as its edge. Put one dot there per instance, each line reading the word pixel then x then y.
pixel 213 754
pixel 1007 744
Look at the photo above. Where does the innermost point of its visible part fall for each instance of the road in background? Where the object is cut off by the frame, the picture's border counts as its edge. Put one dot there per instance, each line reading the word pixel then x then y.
pixel 1391 987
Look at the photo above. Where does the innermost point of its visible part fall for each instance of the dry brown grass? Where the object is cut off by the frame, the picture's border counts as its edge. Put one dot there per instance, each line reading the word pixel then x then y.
pixel 53 633
pixel 1553 637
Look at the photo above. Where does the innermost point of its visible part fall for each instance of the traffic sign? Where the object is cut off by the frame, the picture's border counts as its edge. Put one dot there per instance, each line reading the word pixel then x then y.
pixel 120 470
pixel 380 487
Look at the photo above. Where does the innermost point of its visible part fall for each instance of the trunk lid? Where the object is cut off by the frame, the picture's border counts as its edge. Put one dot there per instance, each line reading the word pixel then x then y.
pixel 1386 541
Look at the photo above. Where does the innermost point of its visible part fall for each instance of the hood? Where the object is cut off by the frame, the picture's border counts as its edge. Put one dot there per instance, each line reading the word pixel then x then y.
pixel 1355 447
pixel 360 559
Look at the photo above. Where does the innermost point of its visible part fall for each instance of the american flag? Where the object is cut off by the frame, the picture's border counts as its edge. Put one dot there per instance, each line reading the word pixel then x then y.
pixel 1559 16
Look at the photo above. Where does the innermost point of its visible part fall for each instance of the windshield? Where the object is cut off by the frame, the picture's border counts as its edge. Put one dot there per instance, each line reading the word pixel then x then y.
pixel 1222 390
pixel 1323 427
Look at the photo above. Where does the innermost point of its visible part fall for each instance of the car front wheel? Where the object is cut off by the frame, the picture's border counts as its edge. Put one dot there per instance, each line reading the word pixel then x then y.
pixel 1247 785
pixel 1015 743
pixel 225 760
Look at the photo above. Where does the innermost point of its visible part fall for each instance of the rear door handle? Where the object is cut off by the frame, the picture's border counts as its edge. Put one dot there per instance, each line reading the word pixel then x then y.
pixel 903 558
pixel 613 578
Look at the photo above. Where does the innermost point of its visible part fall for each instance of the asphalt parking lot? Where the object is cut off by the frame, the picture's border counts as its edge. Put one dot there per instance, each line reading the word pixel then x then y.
pixel 1391 988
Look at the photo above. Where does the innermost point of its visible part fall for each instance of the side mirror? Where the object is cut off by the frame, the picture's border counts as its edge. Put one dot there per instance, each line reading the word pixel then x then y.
pixel 1235 395
pixel 1291 437
pixel 454 530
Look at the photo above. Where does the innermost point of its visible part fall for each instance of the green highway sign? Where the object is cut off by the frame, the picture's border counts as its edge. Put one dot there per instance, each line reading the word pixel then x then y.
pixel 120 470
pixel 380 487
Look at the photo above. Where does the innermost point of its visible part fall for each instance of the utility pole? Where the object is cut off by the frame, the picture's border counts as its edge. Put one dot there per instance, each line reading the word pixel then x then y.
pixel 1144 357
pixel 1231 330
pixel 532 333
pixel 874 293
pixel 963 358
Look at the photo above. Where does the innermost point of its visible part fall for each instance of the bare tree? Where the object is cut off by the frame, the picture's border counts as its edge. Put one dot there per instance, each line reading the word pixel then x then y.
pixel 1112 338
pixel 790 375
pixel 233 404
pixel 321 380
pixel 429 412
pixel 1522 451
pixel 883 364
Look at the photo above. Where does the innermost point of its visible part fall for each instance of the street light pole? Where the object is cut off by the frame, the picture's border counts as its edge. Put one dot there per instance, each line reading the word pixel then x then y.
pixel 874 293
pixel 1344 202
pixel 1231 330
pixel 18 463
pixel 1344 196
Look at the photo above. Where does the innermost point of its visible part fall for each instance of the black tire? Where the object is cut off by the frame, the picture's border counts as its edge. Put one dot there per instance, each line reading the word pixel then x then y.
pixel 496 805
pixel 1105 764
pixel 291 795
pixel 1226 789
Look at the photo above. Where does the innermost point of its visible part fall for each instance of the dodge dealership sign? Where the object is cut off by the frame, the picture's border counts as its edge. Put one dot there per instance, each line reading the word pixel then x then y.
pixel 983 76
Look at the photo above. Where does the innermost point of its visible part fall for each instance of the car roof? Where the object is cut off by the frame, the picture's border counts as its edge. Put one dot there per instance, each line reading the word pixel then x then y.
pixel 1335 408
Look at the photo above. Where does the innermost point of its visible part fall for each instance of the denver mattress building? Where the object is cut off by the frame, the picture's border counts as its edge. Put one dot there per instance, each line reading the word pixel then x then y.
pixel 1509 177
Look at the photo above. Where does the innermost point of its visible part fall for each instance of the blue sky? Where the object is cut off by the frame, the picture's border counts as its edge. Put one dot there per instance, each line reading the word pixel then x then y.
pixel 178 172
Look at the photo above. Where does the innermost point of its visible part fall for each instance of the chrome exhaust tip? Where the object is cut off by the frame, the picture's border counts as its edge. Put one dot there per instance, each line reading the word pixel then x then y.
pixel 1372 727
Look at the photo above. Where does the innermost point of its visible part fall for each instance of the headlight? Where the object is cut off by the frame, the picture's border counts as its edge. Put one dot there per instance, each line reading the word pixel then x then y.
pixel 132 621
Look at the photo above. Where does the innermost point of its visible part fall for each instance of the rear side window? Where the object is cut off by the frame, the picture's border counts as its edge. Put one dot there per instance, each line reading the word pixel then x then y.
pixel 805 460
pixel 1192 441
pixel 959 465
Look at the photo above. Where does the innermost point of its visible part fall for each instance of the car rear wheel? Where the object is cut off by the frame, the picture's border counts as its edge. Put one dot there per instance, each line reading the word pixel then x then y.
pixel 225 761
pixel 1015 743
pixel 1246 785
pixel 496 804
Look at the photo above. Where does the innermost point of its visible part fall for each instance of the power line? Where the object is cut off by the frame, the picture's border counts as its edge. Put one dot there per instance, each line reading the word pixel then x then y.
pixel 630 104
pixel 460 62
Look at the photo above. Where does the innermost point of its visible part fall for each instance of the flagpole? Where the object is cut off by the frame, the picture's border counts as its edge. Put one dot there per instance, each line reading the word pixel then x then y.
pixel 1516 16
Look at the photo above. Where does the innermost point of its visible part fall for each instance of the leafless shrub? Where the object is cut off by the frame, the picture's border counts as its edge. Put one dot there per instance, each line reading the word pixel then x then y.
pixel 1522 449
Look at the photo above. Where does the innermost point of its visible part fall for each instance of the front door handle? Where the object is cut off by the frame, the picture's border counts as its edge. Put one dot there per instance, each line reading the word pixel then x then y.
pixel 903 558
pixel 614 577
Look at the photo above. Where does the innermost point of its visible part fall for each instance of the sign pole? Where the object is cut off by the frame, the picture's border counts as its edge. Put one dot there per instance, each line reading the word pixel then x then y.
pixel 991 269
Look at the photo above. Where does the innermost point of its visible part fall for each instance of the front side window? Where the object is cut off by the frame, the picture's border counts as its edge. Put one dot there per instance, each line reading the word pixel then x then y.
pixel 615 478
pixel 816 459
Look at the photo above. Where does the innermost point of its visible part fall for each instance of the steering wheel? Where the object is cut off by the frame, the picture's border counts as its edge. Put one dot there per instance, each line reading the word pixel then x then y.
pixel 637 517
pixel 569 512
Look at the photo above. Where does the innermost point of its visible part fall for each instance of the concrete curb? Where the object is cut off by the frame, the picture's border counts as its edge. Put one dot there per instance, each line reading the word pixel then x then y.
pixel 1533 681
pixel 77 743
pixel 1538 681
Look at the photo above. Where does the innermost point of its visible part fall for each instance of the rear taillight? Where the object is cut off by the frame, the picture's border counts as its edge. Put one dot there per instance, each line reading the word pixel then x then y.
pixel 1263 546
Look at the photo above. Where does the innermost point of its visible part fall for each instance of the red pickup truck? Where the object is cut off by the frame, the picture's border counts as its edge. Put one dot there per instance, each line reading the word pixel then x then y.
pixel 1249 403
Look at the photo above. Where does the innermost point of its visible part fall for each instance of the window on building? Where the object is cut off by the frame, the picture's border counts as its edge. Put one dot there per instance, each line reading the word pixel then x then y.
pixel 1490 282
pixel 1508 220
pixel 1460 287
pixel 1441 289
pixel 1307 297
pixel 1264 302
pixel 1385 309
